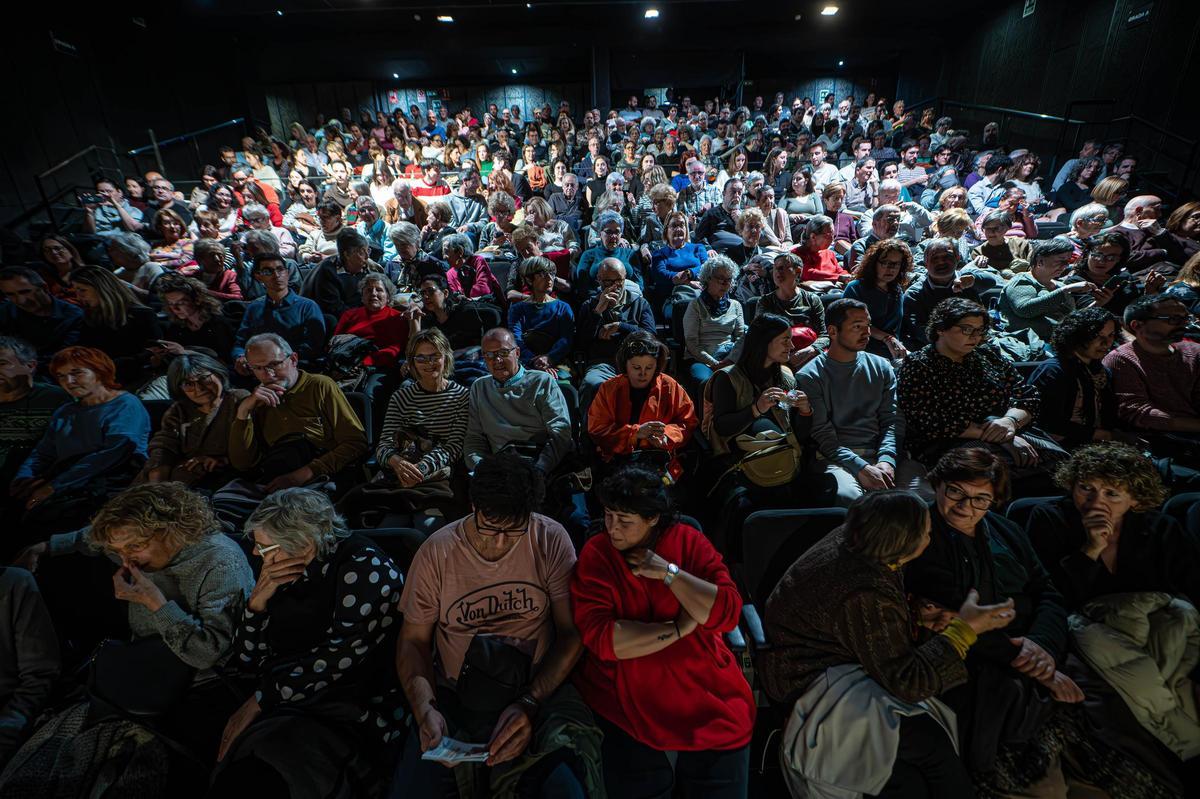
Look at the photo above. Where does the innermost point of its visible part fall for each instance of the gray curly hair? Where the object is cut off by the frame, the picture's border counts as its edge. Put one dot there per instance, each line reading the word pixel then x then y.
pixel 294 518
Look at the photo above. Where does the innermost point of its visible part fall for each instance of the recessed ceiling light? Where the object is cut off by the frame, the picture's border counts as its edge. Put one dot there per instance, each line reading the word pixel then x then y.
pixel 651 13
pixel 279 12
pixel 395 74
pixel 797 17
pixel 829 11
pixel 841 63
pixel 445 18
pixel 514 70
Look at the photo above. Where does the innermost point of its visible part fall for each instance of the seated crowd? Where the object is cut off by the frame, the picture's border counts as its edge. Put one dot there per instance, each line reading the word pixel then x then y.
pixel 359 469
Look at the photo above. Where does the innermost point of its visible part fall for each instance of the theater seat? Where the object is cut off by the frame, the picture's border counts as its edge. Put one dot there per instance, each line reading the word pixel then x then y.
pixel 400 543
pixel 1185 509
pixel 1019 510
pixel 771 542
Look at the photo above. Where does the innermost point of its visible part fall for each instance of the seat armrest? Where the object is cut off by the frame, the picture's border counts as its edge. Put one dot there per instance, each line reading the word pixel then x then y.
pixel 753 627
pixel 735 640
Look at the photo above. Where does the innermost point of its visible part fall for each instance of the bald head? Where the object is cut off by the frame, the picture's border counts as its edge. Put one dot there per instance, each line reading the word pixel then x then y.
pixel 501 335
pixel 1144 206
pixel 612 266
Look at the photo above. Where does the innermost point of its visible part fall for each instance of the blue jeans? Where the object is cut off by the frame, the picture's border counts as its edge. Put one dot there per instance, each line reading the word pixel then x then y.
pixel 699 372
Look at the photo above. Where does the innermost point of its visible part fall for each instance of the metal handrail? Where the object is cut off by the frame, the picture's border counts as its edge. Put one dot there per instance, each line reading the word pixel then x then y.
pixel 1014 112
pixel 1154 127
pixel 154 145
pixel 71 159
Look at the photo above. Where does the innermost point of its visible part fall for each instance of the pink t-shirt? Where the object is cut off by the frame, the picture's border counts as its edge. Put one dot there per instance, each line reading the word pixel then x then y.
pixel 450 586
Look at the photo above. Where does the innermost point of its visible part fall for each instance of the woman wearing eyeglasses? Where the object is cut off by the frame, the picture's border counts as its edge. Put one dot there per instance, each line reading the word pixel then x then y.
pixel 1102 264
pixel 542 326
pixel 713 323
pixel 642 413
pixel 1014 677
pixel 651 599
pixel 192 443
pixel 954 390
pixel 315 637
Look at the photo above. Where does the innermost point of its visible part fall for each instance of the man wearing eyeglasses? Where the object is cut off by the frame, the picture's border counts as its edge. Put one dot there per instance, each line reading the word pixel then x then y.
pixel 1156 377
pixel 605 320
pixel 516 406
pixel 500 575
pixel 298 320
pixel 698 196
pixel 885 224
pixel 943 278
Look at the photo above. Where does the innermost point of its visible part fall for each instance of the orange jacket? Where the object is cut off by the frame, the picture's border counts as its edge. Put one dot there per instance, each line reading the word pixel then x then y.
pixel 609 413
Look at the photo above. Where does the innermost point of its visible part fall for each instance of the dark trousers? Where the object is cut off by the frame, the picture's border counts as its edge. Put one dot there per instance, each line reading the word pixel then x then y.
pixel 927 767
pixel 633 770
pixel 552 778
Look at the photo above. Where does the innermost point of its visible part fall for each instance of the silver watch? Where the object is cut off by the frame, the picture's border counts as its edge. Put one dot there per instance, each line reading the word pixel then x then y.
pixel 672 573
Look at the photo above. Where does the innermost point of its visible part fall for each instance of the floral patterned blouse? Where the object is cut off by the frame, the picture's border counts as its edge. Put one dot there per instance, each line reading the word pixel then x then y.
pixel 940 397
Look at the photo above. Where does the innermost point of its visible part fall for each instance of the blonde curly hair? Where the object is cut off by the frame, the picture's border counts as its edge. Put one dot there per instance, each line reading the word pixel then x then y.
pixel 1117 464
pixel 168 511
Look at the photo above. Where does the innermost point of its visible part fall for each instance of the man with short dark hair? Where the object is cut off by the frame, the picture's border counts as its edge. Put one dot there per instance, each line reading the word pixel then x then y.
pixel 162 194
pixel 297 319
pixel 823 173
pixel 431 184
pixel 468 205
pixel 33 315
pixel 113 213
pixel 334 286
pixel 1156 377
pixel 855 421
pixel 339 191
pixel 909 173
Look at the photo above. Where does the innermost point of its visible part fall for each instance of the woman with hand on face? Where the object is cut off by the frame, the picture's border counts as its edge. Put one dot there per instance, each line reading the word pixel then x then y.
pixel 312 635
pixel 1102 264
pixel 195 320
pixel 192 444
pixel 651 598
pixel 880 280
pixel 178 585
pixel 174 248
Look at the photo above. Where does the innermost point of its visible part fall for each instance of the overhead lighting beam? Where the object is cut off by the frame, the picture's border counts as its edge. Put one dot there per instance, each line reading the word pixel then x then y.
pixel 829 11
pixel 651 13
pixel 445 18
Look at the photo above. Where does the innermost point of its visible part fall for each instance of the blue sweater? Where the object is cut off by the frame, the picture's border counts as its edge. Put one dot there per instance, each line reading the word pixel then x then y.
pixel 584 280
pixel 854 409
pixel 550 323
pixel 668 262
pixel 88 441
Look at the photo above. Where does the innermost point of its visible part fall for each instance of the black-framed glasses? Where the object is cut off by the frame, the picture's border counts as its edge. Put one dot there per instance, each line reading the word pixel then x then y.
pixel 198 380
pixel 496 355
pixel 977 501
pixel 488 530
pixel 267 271
pixel 613 281
pixel 970 331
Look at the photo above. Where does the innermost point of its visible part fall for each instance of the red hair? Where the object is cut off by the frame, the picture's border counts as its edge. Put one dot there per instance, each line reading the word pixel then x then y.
pixel 90 358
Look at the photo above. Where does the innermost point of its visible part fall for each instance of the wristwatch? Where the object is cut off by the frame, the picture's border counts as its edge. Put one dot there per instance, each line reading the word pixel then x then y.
pixel 672 573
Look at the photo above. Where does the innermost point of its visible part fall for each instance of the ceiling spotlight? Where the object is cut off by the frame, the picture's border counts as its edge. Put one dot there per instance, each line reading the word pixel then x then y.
pixel 651 13
pixel 396 75
pixel 279 12
pixel 797 17
pixel 445 18
pixel 514 70
pixel 841 63
pixel 829 11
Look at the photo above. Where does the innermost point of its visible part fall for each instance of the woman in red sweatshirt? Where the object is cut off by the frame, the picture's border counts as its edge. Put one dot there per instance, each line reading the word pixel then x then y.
pixel 651 599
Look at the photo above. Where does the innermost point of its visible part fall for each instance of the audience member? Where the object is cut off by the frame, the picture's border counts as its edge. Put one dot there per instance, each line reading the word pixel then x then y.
pixel 713 323
pixel 29 658
pixel 803 308
pixel 195 321
pixel 1156 377
pixel 191 444
pixel 314 635
pixel 542 326
pixel 375 320
pixel 469 274
pixel 280 311
pixel 91 448
pixel 855 423
pixel 941 280
pixel 840 612
pixel 489 595
pixel 880 280
pixel 605 321
pixel 651 598
pixel 1036 300
pixel 26 405
pixel 116 323
pixel 34 315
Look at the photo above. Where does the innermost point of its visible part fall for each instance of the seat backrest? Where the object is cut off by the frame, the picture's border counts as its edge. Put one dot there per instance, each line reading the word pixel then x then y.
pixel 1019 510
pixel 678 309
pixel 749 308
pixel 400 543
pixel 1179 506
pixel 773 539
pixel 572 399
pixel 362 407
pixel 156 409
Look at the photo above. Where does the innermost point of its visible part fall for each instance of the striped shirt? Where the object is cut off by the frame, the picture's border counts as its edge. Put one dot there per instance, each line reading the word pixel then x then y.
pixel 441 415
